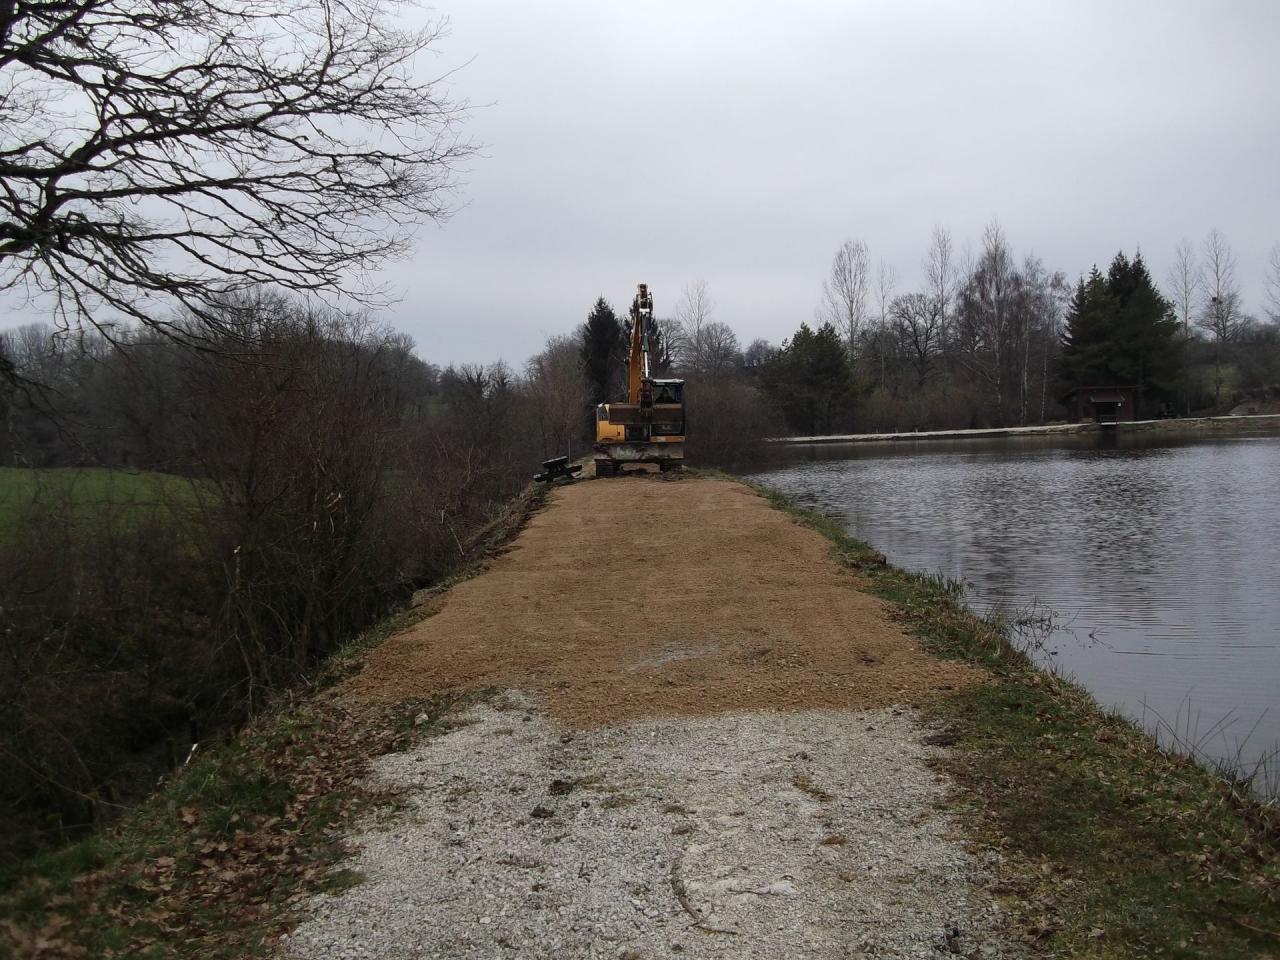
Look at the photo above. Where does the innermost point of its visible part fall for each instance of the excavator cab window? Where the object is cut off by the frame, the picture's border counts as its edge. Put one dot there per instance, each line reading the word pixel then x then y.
pixel 668 393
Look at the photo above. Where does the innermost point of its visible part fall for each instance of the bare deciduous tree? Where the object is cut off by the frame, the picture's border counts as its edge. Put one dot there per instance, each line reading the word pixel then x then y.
pixel 985 346
pixel 670 341
pixel 918 321
pixel 1273 284
pixel 758 353
pixel 156 153
pixel 1057 298
pixel 693 314
pixel 1185 283
pixel 844 293
pixel 940 273
pixel 886 283
pixel 1220 310
pixel 1030 318
pixel 719 349
pixel 558 391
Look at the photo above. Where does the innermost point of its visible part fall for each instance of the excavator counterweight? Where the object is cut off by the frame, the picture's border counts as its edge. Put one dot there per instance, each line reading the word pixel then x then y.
pixel 649 427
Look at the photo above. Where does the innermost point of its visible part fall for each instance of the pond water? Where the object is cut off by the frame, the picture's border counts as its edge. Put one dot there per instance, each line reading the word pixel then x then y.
pixel 1160 562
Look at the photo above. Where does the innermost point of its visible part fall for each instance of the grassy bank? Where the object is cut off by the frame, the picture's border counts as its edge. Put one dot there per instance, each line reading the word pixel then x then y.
pixel 90 496
pixel 214 864
pixel 1116 848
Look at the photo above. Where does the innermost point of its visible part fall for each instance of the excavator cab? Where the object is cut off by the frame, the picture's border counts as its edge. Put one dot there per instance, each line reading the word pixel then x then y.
pixel 649 426
pixel 668 391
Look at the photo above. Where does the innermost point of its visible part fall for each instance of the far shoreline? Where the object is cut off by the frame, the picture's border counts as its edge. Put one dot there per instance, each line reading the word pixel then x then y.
pixel 1253 424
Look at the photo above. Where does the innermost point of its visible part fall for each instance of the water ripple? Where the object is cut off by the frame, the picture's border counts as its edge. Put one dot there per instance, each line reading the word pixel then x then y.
pixel 1162 561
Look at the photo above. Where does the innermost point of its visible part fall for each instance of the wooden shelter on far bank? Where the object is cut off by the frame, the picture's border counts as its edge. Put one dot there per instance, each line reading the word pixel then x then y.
pixel 1102 404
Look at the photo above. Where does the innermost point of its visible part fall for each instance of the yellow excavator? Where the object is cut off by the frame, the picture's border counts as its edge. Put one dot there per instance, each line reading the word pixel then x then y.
pixel 649 427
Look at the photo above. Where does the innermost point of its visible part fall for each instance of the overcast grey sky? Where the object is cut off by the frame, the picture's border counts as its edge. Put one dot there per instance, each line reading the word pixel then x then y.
pixel 740 143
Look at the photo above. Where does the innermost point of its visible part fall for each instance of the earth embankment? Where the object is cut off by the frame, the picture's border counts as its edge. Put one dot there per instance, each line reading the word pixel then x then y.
pixel 703 747
pixel 637 597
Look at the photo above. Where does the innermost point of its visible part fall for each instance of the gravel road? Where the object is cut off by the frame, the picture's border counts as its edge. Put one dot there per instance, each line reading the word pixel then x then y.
pixel 764 834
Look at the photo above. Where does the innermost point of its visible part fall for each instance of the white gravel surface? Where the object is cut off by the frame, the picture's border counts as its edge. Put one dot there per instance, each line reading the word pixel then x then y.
pixel 808 834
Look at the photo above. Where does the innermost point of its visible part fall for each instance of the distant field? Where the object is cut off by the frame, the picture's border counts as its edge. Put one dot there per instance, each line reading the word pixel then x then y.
pixel 92 494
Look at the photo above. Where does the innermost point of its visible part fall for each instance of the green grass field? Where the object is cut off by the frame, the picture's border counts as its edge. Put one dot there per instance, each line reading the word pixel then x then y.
pixel 89 495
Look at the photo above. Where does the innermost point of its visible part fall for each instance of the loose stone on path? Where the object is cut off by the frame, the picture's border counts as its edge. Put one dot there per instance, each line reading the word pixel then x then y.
pixel 814 833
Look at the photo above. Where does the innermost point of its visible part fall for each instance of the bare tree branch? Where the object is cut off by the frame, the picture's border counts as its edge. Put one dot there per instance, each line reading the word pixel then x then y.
pixel 918 322
pixel 940 274
pixel 169 153
pixel 844 292
pixel 693 314
pixel 1221 313
pixel 1273 284
pixel 1185 282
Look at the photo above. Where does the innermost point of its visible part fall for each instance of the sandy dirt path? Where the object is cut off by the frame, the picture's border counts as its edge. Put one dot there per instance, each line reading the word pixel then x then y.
pixel 705 748
pixel 640 597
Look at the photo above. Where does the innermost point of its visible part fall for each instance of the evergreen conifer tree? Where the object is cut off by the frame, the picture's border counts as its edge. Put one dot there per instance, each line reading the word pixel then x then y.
pixel 602 351
pixel 1121 331
pixel 811 378
pixel 1145 345
pixel 1085 338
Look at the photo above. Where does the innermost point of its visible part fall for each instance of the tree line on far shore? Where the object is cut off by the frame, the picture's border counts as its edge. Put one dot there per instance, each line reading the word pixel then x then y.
pixel 989 340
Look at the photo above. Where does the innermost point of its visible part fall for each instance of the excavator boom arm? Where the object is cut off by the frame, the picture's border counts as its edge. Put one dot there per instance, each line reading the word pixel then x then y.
pixel 638 353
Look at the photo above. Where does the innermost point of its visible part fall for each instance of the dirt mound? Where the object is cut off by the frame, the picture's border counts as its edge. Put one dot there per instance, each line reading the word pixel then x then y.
pixel 637 597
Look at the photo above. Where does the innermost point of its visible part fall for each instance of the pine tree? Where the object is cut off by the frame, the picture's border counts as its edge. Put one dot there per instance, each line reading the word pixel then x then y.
pixel 602 351
pixel 1086 336
pixel 1146 348
pixel 1120 330
pixel 811 378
